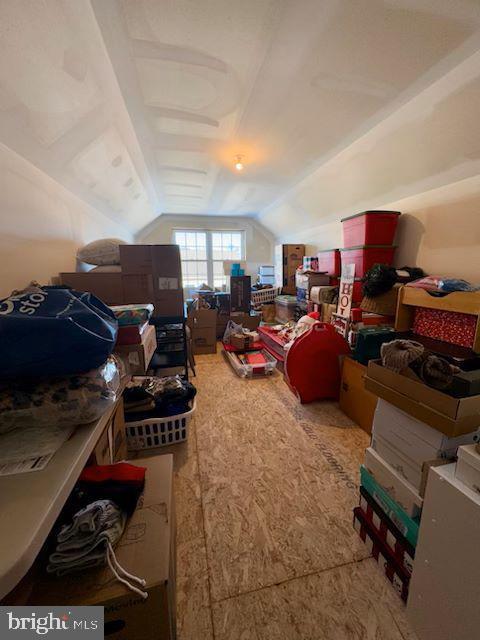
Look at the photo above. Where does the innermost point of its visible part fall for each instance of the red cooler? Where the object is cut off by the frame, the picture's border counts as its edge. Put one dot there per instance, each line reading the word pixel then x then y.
pixel 370 228
pixel 365 256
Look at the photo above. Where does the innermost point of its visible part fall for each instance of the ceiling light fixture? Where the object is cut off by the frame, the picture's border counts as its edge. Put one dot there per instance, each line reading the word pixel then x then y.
pixel 239 163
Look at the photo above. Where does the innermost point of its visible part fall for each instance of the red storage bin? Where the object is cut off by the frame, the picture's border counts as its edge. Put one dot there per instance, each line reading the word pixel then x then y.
pixel 364 257
pixel 370 227
pixel 357 295
pixel 329 262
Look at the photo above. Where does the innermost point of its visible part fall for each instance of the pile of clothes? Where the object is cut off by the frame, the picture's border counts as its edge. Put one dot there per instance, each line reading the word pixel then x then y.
pixel 94 519
pixel 146 397
pixel 410 358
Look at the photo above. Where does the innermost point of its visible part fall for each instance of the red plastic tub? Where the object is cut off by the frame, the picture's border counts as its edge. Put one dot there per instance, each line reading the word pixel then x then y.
pixel 357 295
pixel 364 257
pixel 329 262
pixel 370 227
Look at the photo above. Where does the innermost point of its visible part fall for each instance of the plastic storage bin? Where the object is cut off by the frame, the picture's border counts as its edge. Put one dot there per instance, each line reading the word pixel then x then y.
pixel 329 262
pixel 370 227
pixel 365 256
pixel 158 432
pixel 285 308
pixel 246 370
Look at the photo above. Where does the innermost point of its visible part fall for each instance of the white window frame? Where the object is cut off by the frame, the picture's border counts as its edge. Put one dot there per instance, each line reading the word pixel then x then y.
pixel 208 232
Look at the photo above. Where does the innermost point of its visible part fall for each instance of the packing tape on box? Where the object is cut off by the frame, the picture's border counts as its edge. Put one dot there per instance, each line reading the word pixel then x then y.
pixel 323 293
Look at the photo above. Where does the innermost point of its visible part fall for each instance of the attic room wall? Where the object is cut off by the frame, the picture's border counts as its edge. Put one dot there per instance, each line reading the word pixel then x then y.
pixel 42 225
pixel 259 242
pixel 429 144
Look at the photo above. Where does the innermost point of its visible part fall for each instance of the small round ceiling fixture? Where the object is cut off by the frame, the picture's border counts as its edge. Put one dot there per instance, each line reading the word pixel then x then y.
pixel 239 163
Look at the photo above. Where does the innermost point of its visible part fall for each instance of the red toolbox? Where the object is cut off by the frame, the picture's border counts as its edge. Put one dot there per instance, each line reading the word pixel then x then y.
pixel 365 256
pixel 329 262
pixel 370 227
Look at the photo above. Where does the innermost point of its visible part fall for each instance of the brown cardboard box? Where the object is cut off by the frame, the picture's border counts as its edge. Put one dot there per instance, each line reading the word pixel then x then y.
pixel 153 273
pixel 106 286
pixel 139 288
pixel 204 340
pixel 119 437
pixel 327 310
pixel 241 341
pixel 246 320
pixel 201 318
pixel 355 401
pixel 162 260
pixel 451 416
pixel 137 356
pixel 146 549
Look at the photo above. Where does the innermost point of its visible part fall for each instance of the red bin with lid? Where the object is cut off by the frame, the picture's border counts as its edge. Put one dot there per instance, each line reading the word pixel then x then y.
pixel 364 257
pixel 329 262
pixel 370 227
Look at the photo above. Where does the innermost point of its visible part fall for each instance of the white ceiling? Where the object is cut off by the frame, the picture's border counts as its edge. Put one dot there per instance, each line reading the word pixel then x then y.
pixel 140 106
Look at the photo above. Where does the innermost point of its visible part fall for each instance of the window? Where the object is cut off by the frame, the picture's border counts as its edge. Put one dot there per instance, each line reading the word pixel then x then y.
pixel 203 254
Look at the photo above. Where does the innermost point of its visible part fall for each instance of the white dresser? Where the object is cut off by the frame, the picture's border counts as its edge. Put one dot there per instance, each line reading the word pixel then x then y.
pixel 445 589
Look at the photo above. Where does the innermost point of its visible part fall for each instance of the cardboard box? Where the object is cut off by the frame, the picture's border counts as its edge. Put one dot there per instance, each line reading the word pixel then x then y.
pixel 137 356
pixel 204 340
pixel 241 341
pixel 161 260
pixel 240 293
pixel 327 311
pixel 451 416
pixel 401 491
pixel 308 280
pixel 146 549
pixel 153 273
pixel 202 318
pixel 119 436
pixel 140 288
pixel 106 286
pixel 355 401
pixel 246 320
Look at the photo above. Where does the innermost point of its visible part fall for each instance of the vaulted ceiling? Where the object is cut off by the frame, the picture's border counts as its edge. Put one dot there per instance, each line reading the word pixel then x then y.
pixel 139 107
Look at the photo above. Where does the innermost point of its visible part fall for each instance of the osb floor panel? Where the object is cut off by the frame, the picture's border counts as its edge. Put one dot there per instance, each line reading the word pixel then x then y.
pixel 264 492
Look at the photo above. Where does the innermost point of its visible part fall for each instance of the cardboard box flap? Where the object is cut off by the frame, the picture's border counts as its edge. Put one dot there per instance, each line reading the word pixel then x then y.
pixel 420 392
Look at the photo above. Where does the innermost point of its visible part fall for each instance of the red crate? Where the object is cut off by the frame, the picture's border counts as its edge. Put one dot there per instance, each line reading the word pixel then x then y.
pixel 370 227
pixel 364 257
pixel 329 262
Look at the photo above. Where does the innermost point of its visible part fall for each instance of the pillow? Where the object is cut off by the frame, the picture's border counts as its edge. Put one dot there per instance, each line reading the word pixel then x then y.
pixel 101 252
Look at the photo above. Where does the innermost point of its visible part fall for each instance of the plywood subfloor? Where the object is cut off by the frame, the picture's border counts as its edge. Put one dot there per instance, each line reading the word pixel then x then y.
pixel 264 494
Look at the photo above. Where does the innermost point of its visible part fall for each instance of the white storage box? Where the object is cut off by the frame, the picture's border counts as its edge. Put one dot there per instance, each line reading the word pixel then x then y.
pixel 266 270
pixel 408 469
pixel 468 467
pixel 397 487
pixel 414 439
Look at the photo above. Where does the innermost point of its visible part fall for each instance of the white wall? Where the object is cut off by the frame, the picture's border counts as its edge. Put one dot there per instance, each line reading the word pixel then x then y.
pixel 42 225
pixel 259 242
pixel 431 145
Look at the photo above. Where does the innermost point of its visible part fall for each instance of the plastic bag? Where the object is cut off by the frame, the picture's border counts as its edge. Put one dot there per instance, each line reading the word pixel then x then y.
pixel 58 401
pixel 54 331
pixel 231 328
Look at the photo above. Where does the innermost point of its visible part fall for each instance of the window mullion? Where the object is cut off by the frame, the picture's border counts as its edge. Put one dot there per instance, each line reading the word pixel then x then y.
pixel 209 259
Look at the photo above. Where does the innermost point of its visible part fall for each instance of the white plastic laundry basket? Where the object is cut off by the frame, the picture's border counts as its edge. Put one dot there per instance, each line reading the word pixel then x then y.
pixel 159 432
pixel 263 296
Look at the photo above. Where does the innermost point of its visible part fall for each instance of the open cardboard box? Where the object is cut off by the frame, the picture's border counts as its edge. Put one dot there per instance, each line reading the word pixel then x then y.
pixel 147 549
pixel 451 416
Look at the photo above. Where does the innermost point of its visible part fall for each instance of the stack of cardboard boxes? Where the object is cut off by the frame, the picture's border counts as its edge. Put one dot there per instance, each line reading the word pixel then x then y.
pixel 415 427
pixel 148 273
